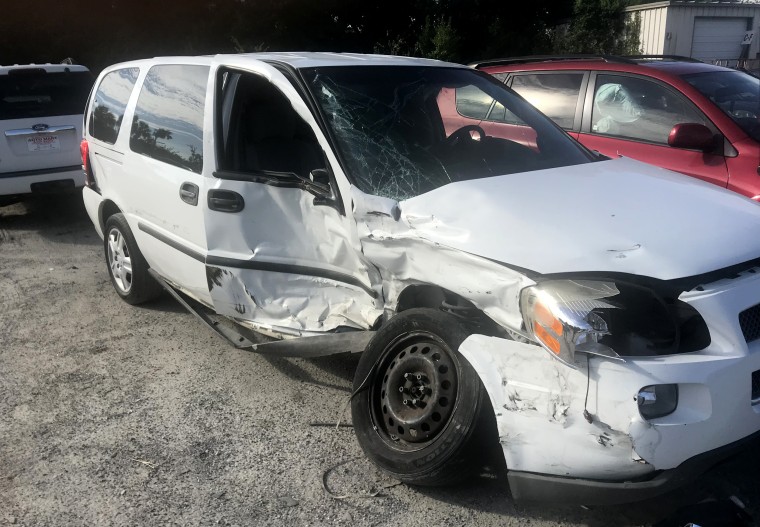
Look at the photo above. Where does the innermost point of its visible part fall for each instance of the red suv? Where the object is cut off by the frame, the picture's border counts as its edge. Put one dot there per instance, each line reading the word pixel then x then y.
pixel 674 112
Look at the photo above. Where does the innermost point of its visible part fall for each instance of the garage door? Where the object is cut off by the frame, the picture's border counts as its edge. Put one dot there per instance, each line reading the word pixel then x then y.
pixel 718 37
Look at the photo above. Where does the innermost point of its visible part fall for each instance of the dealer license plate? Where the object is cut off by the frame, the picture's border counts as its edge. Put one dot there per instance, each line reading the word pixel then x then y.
pixel 40 143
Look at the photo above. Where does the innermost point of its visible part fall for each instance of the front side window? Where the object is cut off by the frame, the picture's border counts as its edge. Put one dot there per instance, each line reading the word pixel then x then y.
pixel 555 94
pixel 634 108
pixel 263 132
pixel 34 92
pixel 392 126
pixel 168 120
pixel 734 92
pixel 110 103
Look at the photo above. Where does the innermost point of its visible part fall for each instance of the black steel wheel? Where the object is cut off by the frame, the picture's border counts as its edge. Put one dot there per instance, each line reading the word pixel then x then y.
pixel 420 405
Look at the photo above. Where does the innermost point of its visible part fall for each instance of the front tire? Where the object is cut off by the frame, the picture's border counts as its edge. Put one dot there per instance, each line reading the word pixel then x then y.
pixel 420 408
pixel 126 265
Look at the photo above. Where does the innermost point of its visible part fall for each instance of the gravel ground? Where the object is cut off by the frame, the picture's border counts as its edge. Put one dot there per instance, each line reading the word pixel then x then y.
pixel 120 415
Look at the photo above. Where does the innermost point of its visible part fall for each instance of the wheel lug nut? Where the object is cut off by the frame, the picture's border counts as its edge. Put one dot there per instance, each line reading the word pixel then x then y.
pixel 401 389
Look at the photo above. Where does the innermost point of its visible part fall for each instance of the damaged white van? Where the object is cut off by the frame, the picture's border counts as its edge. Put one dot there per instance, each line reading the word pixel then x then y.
pixel 599 319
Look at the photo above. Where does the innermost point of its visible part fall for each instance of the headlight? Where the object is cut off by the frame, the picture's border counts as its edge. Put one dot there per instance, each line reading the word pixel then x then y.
pixel 560 315
pixel 610 319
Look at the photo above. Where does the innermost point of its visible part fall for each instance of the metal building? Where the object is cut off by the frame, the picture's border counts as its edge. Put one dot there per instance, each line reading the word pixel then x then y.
pixel 711 30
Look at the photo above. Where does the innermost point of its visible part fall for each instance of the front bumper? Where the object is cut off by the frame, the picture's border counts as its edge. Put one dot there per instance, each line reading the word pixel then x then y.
pixel 526 486
pixel 548 445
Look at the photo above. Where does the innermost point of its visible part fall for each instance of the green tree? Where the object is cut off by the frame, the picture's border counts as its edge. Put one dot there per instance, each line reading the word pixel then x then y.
pixel 438 40
pixel 119 30
pixel 599 26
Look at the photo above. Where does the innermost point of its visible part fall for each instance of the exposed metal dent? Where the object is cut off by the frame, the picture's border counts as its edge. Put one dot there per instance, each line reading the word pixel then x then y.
pixel 303 304
pixel 403 253
pixel 635 247
pixel 214 276
pixel 315 346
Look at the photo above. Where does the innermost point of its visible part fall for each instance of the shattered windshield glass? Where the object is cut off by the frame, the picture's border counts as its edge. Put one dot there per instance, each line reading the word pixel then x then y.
pixel 405 130
pixel 736 93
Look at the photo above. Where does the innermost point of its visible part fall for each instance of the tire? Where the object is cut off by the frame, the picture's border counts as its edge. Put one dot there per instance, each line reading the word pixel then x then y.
pixel 126 265
pixel 434 438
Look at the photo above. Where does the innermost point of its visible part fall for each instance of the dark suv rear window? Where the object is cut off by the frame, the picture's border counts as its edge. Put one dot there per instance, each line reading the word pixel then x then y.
pixel 33 92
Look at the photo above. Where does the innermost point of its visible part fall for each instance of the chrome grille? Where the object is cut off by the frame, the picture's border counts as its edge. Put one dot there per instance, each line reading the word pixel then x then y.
pixel 749 320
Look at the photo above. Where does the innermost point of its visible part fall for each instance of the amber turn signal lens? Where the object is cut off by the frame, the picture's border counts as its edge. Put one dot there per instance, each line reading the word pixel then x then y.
pixel 546 338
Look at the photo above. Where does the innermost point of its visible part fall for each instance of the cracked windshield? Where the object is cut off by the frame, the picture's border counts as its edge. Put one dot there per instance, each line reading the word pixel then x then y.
pixel 403 131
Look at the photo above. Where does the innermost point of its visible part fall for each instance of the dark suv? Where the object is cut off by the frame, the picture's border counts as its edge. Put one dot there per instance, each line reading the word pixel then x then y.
pixel 674 112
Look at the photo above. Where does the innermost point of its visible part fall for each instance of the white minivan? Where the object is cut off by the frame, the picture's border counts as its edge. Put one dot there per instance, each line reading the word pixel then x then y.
pixel 597 319
pixel 41 109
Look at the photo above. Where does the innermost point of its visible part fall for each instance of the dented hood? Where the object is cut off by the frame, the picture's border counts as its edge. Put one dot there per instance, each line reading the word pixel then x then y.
pixel 612 216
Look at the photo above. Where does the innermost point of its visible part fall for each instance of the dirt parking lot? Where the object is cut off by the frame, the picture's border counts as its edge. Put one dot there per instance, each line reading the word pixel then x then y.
pixel 117 415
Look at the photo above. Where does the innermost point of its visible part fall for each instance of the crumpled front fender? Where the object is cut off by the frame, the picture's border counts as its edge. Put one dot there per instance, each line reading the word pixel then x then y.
pixel 539 407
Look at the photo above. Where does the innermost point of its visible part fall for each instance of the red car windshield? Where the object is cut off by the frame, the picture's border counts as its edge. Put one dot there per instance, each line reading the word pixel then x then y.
pixel 734 92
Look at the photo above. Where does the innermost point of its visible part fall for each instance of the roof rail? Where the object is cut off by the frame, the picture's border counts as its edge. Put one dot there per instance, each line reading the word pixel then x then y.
pixel 679 58
pixel 546 58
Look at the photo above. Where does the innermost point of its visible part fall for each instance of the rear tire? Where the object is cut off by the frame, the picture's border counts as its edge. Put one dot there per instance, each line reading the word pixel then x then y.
pixel 126 265
pixel 421 409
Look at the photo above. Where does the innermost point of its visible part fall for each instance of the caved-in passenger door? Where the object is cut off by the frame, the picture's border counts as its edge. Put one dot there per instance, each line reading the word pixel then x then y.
pixel 282 253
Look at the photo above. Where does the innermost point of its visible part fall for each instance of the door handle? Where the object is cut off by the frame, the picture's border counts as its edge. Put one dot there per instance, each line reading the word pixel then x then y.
pixel 188 193
pixel 225 201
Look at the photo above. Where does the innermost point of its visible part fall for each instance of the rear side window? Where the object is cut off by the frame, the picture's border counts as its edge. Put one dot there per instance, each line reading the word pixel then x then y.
pixel 555 94
pixel 168 120
pixel 33 92
pixel 110 103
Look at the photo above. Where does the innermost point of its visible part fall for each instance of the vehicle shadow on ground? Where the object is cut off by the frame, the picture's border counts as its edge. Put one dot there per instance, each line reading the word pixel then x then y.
pixel 167 304
pixel 340 365
pixel 489 493
pixel 60 219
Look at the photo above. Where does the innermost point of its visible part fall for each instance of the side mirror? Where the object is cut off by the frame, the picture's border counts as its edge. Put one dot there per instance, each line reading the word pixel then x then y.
pixel 692 136
pixel 319 183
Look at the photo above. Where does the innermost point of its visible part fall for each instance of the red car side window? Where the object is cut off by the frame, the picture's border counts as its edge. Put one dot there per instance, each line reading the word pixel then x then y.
pixel 635 108
pixel 555 94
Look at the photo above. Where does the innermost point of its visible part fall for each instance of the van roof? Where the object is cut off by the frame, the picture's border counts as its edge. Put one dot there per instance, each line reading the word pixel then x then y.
pixel 310 60
pixel 306 59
